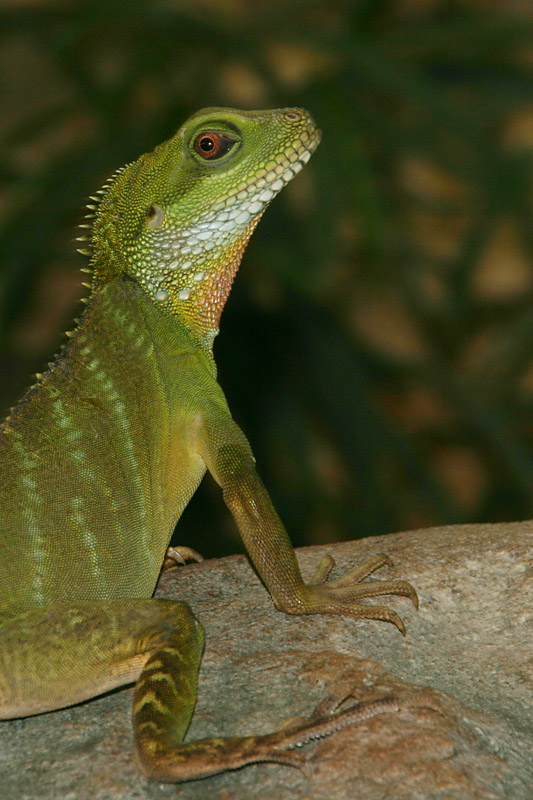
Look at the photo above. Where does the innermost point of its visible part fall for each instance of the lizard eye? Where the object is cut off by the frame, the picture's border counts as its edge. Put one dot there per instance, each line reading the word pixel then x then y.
pixel 212 145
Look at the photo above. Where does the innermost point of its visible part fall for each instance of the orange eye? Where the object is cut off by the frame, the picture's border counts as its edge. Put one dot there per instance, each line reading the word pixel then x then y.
pixel 207 145
pixel 212 145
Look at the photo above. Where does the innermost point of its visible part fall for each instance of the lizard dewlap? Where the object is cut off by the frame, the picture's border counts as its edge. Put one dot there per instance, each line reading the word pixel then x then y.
pixel 103 453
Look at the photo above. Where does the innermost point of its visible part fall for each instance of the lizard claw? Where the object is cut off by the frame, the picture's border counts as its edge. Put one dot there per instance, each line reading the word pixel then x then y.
pixel 178 556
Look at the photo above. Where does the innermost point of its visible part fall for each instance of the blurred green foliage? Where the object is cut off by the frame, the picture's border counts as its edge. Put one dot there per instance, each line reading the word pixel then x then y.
pixel 360 424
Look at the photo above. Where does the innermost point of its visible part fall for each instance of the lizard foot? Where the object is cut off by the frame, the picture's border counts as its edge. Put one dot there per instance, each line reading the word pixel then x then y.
pixel 330 717
pixel 178 556
pixel 340 596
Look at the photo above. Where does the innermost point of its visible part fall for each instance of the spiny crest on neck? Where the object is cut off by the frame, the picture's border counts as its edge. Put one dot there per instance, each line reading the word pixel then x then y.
pixel 93 207
pixel 178 219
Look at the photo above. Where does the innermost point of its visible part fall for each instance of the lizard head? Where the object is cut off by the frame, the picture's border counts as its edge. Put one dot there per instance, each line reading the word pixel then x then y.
pixel 178 219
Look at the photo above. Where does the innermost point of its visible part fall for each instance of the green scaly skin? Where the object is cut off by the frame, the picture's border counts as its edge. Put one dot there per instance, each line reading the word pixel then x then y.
pixel 102 455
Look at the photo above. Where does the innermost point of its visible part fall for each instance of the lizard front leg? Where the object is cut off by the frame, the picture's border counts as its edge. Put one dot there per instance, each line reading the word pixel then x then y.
pixel 229 458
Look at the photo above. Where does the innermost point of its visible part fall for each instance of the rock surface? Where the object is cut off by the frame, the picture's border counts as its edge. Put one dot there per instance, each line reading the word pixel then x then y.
pixel 471 642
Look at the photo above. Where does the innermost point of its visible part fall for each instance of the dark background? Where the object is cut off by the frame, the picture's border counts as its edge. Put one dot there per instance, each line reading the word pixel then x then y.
pixel 376 348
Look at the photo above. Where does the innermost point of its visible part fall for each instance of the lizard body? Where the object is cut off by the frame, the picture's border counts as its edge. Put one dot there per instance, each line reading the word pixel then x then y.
pixel 101 456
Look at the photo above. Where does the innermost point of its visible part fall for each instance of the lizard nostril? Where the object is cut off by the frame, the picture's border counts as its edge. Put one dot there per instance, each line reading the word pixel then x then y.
pixel 293 116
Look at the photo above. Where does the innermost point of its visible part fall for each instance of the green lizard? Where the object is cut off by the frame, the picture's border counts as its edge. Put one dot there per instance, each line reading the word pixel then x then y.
pixel 103 453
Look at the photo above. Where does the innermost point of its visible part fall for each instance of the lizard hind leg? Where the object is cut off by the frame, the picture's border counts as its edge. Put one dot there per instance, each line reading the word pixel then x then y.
pixel 163 704
pixel 163 756
pixel 58 655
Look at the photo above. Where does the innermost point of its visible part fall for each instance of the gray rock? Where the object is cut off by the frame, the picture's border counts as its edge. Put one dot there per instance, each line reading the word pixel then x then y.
pixel 471 642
